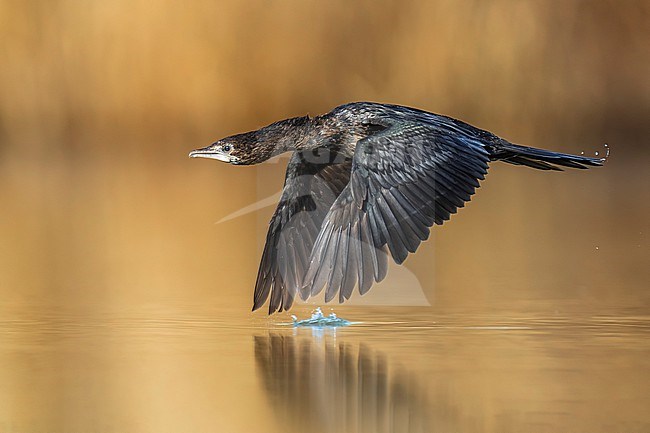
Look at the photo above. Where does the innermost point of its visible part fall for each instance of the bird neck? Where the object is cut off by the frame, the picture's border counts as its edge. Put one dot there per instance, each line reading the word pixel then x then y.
pixel 299 134
pixel 285 136
pixel 317 133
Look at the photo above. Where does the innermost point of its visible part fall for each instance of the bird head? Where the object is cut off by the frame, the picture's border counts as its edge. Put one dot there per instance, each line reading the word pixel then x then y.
pixel 236 149
pixel 256 146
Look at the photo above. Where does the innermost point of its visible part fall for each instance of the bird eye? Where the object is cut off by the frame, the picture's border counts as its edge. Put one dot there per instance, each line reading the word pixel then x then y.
pixel 226 148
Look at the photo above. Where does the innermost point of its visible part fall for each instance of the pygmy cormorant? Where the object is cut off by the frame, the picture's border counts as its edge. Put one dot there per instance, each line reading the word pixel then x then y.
pixel 365 180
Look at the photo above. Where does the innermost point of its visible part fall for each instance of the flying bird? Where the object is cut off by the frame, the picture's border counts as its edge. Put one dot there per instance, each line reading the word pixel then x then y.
pixel 365 181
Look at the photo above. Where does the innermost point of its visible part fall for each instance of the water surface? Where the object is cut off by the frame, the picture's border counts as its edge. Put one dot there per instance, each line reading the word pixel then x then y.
pixel 399 369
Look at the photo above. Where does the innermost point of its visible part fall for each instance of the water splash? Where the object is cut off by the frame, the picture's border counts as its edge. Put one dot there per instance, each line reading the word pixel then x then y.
pixel 318 320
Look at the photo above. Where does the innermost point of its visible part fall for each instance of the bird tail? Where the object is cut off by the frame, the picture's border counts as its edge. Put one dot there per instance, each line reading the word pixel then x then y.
pixel 543 159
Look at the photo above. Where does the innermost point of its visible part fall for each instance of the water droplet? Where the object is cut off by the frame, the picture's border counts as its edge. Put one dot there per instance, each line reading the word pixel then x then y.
pixel 317 314
pixel 597 247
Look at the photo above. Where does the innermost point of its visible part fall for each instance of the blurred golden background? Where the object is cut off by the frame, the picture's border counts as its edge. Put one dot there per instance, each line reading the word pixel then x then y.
pixel 101 102
pixel 104 217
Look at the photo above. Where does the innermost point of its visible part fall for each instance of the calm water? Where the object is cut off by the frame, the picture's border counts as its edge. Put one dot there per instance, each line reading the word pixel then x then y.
pixel 124 306
pixel 400 369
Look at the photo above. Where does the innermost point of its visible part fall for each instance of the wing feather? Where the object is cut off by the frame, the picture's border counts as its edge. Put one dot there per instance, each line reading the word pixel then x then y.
pixel 311 187
pixel 404 179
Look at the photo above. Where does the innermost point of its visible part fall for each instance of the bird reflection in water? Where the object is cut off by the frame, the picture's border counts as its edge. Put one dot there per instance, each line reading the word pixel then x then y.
pixel 321 384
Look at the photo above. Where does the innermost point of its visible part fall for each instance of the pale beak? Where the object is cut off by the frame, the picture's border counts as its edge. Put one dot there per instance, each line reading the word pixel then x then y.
pixel 212 152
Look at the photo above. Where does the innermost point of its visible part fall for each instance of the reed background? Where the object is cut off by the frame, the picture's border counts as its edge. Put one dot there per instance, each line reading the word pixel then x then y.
pixel 101 101
pixel 124 307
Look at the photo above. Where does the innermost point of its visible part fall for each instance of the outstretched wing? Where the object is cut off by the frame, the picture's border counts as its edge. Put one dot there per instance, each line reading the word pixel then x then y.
pixel 313 181
pixel 404 179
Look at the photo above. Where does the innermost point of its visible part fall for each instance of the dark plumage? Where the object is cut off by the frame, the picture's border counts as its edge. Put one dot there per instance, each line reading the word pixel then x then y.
pixel 365 180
